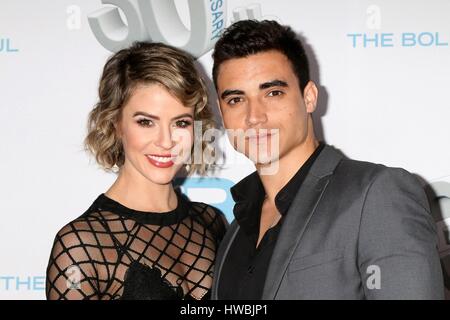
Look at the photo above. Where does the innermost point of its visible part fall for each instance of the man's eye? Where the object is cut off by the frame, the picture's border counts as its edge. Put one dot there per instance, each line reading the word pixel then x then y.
pixel 183 123
pixel 145 122
pixel 234 101
pixel 275 93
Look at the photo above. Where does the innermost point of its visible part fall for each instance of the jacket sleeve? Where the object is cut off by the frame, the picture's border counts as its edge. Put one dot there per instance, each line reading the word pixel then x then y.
pixel 397 244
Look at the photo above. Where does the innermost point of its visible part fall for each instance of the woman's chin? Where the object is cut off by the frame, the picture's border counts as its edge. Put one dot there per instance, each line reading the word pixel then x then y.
pixel 161 179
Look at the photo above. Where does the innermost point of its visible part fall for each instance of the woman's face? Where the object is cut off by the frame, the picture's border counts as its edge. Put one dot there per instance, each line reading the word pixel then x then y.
pixel 156 130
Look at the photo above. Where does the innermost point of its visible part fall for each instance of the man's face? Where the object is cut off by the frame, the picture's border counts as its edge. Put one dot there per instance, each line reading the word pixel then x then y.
pixel 259 92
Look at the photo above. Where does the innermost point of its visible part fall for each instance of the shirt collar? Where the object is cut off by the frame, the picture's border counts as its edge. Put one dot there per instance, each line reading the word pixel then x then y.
pixel 249 195
pixel 286 195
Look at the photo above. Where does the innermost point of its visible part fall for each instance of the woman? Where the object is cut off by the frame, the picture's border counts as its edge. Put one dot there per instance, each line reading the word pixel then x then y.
pixel 141 239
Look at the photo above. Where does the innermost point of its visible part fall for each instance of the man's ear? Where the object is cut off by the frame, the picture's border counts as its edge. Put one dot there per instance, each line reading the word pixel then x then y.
pixel 310 94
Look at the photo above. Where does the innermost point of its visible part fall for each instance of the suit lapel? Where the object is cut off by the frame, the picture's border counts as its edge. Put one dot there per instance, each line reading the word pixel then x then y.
pixel 298 217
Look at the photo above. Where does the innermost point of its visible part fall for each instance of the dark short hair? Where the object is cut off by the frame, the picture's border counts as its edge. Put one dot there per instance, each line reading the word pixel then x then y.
pixel 248 37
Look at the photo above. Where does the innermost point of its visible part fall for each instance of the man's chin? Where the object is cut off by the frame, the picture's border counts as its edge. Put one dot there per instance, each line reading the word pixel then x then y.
pixel 266 165
pixel 262 159
pixel 268 168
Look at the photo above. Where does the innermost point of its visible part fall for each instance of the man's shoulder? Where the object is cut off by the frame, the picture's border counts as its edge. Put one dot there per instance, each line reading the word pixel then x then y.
pixel 359 167
pixel 364 173
pixel 344 168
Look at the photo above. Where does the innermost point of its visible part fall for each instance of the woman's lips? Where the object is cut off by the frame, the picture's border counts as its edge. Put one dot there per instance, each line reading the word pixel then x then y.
pixel 161 161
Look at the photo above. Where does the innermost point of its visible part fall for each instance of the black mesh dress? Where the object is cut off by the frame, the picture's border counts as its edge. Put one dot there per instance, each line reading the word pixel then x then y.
pixel 113 252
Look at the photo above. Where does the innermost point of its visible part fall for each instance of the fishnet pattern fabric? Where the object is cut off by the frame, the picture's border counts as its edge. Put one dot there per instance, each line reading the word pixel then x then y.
pixel 112 254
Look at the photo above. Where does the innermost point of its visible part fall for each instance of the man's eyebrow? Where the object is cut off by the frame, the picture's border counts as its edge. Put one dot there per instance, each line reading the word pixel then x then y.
pixel 273 83
pixel 227 93
pixel 262 86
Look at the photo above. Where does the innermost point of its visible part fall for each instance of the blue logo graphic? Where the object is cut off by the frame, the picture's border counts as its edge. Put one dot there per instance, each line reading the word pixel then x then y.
pixel 406 39
pixel 159 21
pixel 16 283
pixel 6 46
pixel 216 191
pixel 218 15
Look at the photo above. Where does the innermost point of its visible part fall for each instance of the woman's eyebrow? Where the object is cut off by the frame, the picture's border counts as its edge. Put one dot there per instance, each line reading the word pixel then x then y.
pixel 145 114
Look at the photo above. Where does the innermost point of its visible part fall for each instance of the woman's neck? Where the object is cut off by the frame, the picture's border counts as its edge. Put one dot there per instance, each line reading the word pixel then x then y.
pixel 135 191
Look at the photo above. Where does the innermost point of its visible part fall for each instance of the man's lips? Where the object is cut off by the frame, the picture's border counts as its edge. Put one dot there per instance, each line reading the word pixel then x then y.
pixel 259 137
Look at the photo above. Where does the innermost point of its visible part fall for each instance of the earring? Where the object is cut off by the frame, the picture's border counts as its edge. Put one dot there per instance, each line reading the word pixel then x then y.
pixel 115 168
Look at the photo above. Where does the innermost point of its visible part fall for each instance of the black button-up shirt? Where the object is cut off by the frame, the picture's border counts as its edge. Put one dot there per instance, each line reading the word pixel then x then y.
pixel 244 270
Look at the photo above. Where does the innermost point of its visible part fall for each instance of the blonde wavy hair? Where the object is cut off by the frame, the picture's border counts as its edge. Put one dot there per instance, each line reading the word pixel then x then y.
pixel 144 63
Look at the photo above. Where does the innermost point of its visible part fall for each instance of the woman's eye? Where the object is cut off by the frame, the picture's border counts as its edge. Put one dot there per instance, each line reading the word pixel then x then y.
pixel 145 122
pixel 183 123
pixel 275 93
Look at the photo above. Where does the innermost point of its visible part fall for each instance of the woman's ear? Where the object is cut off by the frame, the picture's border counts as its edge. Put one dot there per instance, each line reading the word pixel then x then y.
pixel 117 127
pixel 310 94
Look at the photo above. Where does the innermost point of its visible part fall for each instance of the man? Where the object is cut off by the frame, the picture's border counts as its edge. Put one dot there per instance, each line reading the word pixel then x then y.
pixel 321 226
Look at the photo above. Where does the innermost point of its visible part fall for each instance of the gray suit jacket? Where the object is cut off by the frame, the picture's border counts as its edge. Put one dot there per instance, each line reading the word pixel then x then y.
pixel 355 230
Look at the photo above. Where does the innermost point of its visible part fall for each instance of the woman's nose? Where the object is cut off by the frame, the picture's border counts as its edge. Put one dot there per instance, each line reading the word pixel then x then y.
pixel 165 139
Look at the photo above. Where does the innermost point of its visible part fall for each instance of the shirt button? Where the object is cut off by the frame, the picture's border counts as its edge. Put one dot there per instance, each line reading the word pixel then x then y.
pixel 250 269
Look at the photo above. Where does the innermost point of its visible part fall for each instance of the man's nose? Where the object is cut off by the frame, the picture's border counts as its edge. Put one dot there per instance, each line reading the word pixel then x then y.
pixel 256 113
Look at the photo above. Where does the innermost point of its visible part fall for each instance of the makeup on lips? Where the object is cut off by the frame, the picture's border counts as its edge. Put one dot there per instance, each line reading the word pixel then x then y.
pixel 161 161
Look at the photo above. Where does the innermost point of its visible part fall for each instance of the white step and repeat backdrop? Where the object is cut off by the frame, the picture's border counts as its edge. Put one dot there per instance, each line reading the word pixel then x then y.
pixel 383 68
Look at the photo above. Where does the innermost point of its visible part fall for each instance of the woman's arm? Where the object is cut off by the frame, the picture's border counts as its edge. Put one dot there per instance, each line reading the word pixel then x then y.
pixel 71 274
